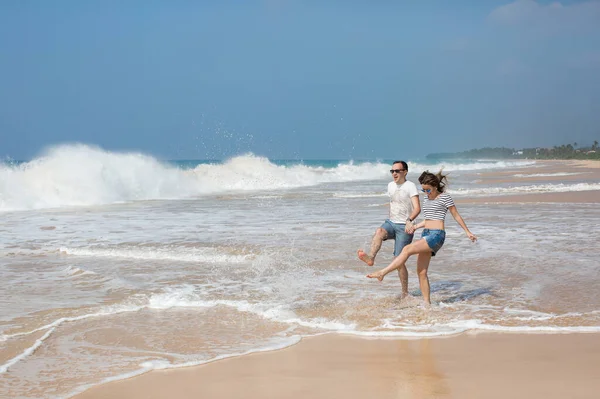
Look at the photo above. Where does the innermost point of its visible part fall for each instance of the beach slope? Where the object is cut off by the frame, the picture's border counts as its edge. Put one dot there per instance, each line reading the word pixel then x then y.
pixel 486 365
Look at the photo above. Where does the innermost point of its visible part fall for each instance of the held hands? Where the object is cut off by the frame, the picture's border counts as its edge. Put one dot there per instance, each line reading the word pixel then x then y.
pixel 410 227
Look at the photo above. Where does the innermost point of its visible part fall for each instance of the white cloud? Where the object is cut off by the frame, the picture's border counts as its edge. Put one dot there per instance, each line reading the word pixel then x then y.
pixel 554 16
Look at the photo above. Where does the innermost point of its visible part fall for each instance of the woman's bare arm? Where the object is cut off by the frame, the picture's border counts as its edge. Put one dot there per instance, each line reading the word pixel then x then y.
pixel 461 222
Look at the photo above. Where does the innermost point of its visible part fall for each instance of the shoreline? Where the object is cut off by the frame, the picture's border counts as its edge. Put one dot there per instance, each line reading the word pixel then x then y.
pixel 467 365
pixel 294 324
pixel 543 172
pixel 568 197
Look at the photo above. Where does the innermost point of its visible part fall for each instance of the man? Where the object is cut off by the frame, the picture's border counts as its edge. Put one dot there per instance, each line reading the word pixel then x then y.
pixel 404 208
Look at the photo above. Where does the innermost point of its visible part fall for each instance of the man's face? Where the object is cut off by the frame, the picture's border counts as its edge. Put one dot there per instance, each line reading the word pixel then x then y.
pixel 398 172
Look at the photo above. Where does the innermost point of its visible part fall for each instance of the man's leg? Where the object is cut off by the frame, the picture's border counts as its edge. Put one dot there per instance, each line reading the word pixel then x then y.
pixel 378 238
pixel 402 240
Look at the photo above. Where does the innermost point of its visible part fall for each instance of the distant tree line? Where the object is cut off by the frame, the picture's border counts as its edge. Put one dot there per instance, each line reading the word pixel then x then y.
pixel 568 151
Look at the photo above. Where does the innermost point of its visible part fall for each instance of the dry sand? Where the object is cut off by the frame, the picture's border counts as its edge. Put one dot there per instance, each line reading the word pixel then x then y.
pixel 582 163
pixel 334 366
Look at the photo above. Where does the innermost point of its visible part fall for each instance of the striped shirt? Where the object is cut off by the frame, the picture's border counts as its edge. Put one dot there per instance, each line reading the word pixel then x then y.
pixel 436 209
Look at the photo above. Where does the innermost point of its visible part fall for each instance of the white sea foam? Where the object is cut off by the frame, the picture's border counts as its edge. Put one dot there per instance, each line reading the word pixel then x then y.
pixel 105 311
pixel 547 174
pixel 477 165
pixel 188 296
pixel 51 327
pixel 293 278
pixel 448 329
pixel 76 271
pixel 172 297
pixel 80 175
pixel 357 195
pixel 276 344
pixel 484 191
pixel 530 189
pixel 38 342
pixel 185 297
pixel 462 326
pixel 187 254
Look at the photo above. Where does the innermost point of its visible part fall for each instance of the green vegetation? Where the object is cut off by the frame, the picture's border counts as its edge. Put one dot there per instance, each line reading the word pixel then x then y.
pixel 568 151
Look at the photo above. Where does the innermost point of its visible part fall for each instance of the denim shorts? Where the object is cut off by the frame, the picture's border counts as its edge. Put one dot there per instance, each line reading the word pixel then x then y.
pixel 434 238
pixel 395 231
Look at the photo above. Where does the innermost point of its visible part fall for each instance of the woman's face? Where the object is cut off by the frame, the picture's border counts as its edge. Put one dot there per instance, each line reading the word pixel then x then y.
pixel 429 191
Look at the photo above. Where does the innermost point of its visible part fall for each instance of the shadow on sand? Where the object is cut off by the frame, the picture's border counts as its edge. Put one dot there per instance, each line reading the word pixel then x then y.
pixel 451 288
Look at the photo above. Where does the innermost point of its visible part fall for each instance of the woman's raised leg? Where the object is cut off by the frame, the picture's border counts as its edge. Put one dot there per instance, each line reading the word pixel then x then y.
pixel 416 247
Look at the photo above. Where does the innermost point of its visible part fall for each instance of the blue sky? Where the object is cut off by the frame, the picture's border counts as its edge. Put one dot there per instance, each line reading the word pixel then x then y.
pixel 298 79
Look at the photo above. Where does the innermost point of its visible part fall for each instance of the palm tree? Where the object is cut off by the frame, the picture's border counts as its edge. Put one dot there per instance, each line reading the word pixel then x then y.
pixel 595 146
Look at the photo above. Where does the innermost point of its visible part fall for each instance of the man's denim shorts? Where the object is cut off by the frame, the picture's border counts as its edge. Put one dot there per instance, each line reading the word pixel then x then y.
pixel 435 239
pixel 395 231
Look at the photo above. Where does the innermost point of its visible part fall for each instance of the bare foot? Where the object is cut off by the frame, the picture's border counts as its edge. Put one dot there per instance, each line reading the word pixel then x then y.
pixel 378 275
pixel 362 255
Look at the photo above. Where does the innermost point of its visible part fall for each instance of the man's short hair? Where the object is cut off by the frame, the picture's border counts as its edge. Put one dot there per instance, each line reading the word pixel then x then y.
pixel 404 164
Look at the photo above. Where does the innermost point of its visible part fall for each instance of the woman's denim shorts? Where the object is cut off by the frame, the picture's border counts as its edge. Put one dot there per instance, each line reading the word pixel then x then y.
pixel 435 239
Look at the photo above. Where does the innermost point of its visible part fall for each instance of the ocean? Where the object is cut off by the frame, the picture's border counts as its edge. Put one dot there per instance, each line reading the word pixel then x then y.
pixel 115 264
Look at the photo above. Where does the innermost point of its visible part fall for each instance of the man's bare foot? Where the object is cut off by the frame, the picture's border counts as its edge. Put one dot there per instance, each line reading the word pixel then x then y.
pixel 378 275
pixel 362 255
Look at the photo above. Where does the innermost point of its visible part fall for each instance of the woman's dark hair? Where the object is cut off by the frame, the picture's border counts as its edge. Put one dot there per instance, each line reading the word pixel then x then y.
pixel 437 180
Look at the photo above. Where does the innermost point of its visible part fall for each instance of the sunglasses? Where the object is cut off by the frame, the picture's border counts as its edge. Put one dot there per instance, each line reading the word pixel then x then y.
pixel 428 191
pixel 397 170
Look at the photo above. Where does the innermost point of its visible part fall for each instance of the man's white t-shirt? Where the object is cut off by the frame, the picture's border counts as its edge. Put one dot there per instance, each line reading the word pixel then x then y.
pixel 401 200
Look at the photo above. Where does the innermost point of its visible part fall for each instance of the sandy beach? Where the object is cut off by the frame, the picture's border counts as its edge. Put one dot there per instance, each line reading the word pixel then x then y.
pixel 214 199
pixel 577 197
pixel 543 172
pixel 515 315
pixel 470 365
pixel 465 366
pixel 546 171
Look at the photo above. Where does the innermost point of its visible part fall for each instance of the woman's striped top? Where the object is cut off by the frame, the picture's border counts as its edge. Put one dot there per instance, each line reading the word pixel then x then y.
pixel 437 208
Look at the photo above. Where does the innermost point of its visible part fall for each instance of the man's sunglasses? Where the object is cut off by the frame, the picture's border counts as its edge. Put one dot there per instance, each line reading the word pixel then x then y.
pixel 428 191
pixel 397 170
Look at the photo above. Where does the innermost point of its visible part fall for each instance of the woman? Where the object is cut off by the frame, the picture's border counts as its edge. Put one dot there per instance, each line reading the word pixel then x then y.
pixel 435 206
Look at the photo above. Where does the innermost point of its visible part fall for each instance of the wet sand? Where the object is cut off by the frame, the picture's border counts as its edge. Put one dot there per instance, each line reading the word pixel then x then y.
pixel 331 366
pixel 551 171
pixel 543 172
pixel 574 197
pixel 484 365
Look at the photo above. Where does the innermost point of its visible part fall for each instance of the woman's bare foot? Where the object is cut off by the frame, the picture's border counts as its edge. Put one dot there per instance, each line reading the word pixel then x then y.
pixel 362 255
pixel 378 275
